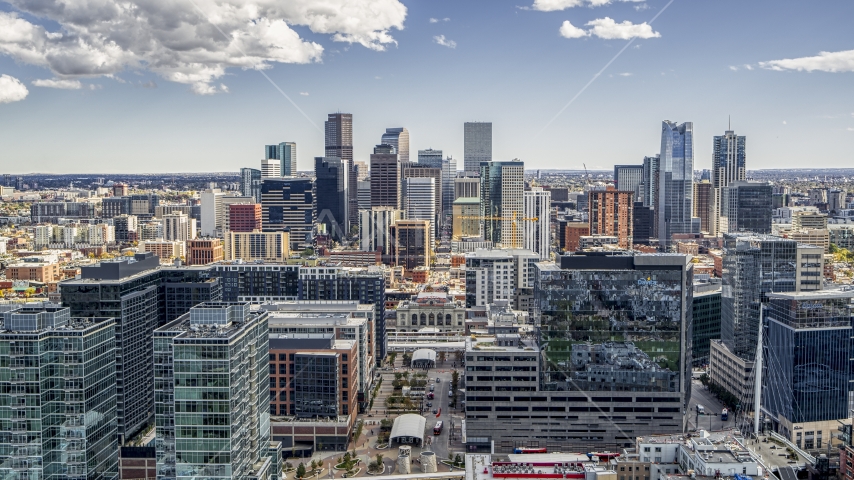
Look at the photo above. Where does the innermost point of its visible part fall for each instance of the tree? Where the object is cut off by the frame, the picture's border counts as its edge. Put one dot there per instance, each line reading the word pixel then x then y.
pixel 704 379
pixel 458 355
pixel 442 357
pixel 458 460
pixel 313 465
pixel 301 470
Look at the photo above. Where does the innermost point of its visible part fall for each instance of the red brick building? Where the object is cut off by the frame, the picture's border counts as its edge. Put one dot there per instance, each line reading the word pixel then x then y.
pixel 244 217
pixel 611 214
pixel 203 251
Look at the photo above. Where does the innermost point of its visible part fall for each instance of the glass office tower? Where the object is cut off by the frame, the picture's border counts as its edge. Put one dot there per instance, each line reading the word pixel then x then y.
pixel 250 183
pixel 674 205
pixel 212 393
pixel 746 207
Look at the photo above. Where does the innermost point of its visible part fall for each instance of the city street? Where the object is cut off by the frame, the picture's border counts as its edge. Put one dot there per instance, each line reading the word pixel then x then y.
pixel 712 419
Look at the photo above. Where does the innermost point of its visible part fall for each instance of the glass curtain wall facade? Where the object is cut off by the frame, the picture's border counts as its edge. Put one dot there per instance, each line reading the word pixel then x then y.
pixel 212 393
pixel 618 327
pixel 807 364
pixel 58 391
pixel 331 179
pixel 316 384
pixel 674 206
pixel 250 183
pixel 477 145
pixel 746 207
pixel 288 204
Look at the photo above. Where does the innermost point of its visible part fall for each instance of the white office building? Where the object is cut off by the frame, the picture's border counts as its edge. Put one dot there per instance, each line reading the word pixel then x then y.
pixel 538 232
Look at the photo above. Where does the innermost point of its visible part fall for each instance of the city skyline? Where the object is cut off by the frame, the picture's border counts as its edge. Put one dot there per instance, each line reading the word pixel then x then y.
pixel 95 110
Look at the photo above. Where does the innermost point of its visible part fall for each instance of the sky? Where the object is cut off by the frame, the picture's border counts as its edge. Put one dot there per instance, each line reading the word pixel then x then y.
pixel 148 86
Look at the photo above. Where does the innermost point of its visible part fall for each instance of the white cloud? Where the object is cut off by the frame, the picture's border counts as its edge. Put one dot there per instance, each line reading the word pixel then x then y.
pixel 568 30
pixel 556 5
pixel 57 83
pixel 304 94
pixel 733 68
pixel 784 122
pixel 95 86
pixel 183 43
pixel 823 62
pixel 626 74
pixel 748 66
pixel 642 6
pixel 446 19
pixel 445 42
pixel 11 89
pixel 434 20
pixel 610 30
pixel 149 84
pixel 851 129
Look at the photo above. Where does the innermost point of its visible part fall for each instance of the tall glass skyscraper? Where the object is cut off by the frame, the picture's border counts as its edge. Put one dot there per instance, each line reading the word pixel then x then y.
pixel 433 159
pixel 212 394
pixel 339 143
pixel 806 363
pixel 399 138
pixel 746 207
pixel 728 165
pixel 502 186
pixel 331 179
pixel 674 206
pixel 477 145
pixel 286 153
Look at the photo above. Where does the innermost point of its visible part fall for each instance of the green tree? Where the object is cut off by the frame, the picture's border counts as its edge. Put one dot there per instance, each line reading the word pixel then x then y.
pixel 301 470
pixel 458 460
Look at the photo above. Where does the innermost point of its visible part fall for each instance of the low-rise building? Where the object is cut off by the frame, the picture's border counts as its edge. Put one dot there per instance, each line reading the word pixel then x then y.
pixel 38 271
pixel 435 310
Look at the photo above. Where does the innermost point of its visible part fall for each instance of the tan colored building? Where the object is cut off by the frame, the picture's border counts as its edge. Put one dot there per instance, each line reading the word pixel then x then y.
pixel 167 250
pixel 466 212
pixel 39 272
pixel 611 214
pixel 204 251
pixel 705 203
pixel 251 246
pixel 411 244
pixel 811 236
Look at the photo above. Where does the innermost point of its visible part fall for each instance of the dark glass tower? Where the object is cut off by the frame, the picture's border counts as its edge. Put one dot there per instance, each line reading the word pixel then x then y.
pixel 332 206
pixel 746 207
pixel 339 143
pixel 674 199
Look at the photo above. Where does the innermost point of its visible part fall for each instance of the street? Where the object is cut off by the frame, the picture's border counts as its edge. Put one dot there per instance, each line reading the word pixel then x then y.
pixel 712 419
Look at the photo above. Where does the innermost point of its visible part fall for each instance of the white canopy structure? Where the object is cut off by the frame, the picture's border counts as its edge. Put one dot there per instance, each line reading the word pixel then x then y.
pixel 408 428
pixel 424 358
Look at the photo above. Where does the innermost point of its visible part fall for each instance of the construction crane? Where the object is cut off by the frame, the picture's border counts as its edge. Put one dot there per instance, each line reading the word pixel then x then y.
pixel 514 222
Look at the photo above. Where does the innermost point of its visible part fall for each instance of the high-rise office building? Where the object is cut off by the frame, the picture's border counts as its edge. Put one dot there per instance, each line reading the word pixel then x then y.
pixel 58 394
pixel 361 170
pixel 399 139
pixel 244 217
pixel 746 207
pixel 728 165
pixel 419 201
pixel 286 154
pixel 331 180
pixel 650 180
pixel 374 230
pixel 496 275
pixel 807 375
pixel 477 146
pixel 433 159
pixel 674 207
pixel 416 170
pixel 126 290
pixel 257 282
pixel 339 143
pixel 611 213
pixel 287 204
pixel 502 186
pixel 629 178
pixel 256 246
pixel 214 211
pixel 127 228
pixel 411 243
pixel 271 168
pixel 705 207
pixel 250 183
pixel 466 187
pixel 753 267
pixel 178 226
pixel 212 394
pixel 386 173
pixel 466 218
pixel 635 360
pixel 364 194
pixel 538 237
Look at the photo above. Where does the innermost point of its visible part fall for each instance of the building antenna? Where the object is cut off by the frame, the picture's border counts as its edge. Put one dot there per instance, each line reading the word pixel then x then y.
pixel 729 122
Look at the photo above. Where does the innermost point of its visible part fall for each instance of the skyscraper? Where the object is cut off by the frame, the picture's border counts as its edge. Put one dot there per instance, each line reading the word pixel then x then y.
pixel 271 168
pixel 417 170
pixel 611 213
pixel 538 232
pixel 399 139
pixel 650 180
pixel 502 187
pixel 250 183
pixel 477 140
pixel 386 173
pixel 411 243
pixel 433 159
pixel 58 395
pixel 629 178
pixel 728 165
pixel 374 226
pixel 753 267
pixel 339 143
pixel 674 206
pixel 705 207
pixel 419 201
pixel 746 207
pixel 332 179
pixel 287 204
pixel 126 290
pixel 212 393
pixel 286 154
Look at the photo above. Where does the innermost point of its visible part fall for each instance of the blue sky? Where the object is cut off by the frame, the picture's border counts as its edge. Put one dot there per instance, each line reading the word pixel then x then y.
pixel 169 105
